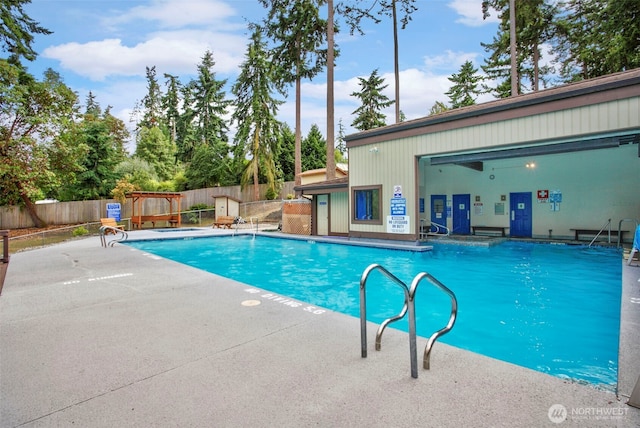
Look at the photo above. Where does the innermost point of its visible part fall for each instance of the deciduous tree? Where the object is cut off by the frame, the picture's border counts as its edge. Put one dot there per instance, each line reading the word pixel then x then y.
pixel 34 116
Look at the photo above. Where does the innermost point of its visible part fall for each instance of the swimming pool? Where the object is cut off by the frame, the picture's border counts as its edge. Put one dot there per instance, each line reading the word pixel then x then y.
pixel 551 308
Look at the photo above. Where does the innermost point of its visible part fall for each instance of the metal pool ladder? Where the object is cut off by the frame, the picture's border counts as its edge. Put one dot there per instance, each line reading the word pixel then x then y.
pixel 409 306
pixel 121 235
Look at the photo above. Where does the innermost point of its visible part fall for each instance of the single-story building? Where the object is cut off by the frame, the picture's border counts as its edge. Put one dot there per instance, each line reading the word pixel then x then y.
pixel 547 164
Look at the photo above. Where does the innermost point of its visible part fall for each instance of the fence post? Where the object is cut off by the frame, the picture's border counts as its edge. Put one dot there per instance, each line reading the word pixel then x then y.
pixel 5 245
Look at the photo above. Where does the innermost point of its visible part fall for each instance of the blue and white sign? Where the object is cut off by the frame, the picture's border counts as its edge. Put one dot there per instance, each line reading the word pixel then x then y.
pixel 398 206
pixel 113 211
pixel 397 191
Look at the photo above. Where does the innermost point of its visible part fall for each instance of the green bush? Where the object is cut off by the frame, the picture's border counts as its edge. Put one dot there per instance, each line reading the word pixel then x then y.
pixel 80 231
pixel 197 207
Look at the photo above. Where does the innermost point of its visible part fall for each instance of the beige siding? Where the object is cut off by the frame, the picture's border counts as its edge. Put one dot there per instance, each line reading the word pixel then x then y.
pixel 393 164
pixel 548 127
pixel 339 212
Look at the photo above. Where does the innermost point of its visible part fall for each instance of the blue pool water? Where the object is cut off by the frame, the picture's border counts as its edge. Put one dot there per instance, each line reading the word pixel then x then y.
pixel 552 308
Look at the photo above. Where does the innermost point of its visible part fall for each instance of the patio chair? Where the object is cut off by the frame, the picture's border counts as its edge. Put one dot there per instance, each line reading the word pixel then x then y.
pixel 111 222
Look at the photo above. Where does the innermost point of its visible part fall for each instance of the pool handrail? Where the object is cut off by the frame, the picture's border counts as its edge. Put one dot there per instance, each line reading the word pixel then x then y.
pixel 452 316
pixel 114 230
pixel 409 306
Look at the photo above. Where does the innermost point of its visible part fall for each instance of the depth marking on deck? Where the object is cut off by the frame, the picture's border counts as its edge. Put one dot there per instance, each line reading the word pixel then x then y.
pixel 635 300
pixel 283 301
pixel 99 278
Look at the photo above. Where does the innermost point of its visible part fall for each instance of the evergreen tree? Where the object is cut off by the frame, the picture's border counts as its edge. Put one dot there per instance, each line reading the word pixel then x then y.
pixel 534 26
pixel 152 102
pixel 104 137
pixel 298 33
pixel 17 30
pixel 369 115
pixel 171 106
pixel 155 147
pixel 208 169
pixel 437 108
pixel 186 132
pixel 119 132
pixel 98 177
pixel 286 153
pixel 597 37
pixel 341 148
pixel 314 152
pixel 355 14
pixel 255 114
pixel 204 120
pixel 465 88
pixel 210 105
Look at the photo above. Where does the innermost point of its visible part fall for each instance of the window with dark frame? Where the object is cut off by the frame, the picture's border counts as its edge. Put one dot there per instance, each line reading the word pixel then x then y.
pixel 367 204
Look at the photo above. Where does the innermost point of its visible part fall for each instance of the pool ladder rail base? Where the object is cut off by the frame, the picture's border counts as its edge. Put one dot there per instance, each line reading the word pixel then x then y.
pixel 121 235
pixel 408 307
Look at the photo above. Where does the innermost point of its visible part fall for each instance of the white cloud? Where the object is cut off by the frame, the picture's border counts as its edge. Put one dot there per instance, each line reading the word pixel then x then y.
pixel 178 13
pixel 449 62
pixel 471 13
pixel 175 52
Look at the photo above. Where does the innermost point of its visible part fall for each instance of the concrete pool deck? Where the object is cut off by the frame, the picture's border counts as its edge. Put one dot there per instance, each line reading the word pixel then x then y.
pixel 105 337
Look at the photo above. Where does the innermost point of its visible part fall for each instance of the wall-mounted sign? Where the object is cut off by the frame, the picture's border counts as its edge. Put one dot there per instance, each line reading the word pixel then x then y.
pixel 113 211
pixel 397 224
pixel 543 196
pixel 398 206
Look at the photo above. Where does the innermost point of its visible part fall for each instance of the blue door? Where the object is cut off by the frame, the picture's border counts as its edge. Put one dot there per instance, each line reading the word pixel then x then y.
pixel 438 212
pixel 461 214
pixel 520 208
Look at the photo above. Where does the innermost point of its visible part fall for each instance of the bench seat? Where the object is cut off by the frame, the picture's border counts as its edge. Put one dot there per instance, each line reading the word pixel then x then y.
pixel 594 232
pixel 502 230
pixel 224 221
pixel 139 220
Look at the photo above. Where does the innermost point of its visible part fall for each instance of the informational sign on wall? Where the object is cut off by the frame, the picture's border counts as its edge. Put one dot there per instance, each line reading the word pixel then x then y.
pixel 398 224
pixel 113 210
pixel 478 208
pixel 398 206
pixel 555 197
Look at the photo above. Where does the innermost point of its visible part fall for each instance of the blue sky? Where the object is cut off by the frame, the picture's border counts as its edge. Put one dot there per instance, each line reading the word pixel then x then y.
pixel 104 47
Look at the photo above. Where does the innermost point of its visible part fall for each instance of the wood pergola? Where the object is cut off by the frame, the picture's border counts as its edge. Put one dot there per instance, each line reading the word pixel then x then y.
pixel 137 217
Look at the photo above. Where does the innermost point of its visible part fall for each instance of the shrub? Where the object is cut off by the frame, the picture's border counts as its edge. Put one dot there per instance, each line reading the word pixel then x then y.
pixel 80 231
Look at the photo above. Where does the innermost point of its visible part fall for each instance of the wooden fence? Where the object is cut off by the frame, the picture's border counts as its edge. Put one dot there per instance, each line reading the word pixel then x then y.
pixel 14 217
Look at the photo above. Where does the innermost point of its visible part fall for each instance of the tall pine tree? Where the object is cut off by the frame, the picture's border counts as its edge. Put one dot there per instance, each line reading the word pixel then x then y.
pixel 465 89
pixel 299 34
pixel 255 114
pixel 369 115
